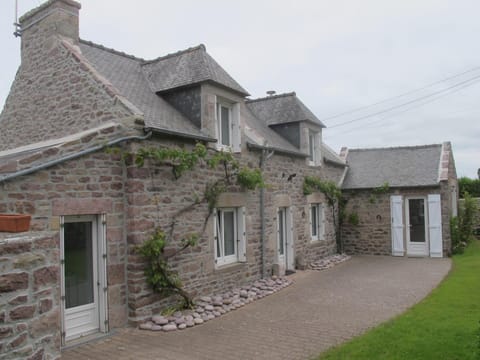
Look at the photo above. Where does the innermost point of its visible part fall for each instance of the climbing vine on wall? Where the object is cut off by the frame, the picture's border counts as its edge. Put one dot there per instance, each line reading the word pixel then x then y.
pixel 159 274
pixel 334 197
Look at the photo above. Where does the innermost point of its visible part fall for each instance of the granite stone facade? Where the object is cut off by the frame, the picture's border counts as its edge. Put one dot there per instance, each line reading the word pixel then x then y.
pixel 30 296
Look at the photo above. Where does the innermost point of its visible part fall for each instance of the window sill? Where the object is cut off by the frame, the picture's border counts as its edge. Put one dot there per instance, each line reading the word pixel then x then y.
pixel 228 268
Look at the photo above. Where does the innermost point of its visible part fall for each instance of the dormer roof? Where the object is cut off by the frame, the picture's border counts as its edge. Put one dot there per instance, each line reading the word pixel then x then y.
pixel 282 109
pixel 186 68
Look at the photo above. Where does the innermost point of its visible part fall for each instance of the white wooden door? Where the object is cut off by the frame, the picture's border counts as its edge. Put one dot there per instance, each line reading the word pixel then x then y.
pixel 416 229
pixel 435 225
pixel 83 277
pixel 290 261
pixel 285 245
pixel 396 210
pixel 282 237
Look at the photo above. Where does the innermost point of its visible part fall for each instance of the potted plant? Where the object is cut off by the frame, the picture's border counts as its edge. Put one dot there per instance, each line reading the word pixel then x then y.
pixel 14 222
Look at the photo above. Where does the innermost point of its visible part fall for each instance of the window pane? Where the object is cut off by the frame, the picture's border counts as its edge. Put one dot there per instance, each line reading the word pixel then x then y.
pixel 225 125
pixel 314 220
pixel 417 220
pixel 78 264
pixel 311 141
pixel 281 232
pixel 229 232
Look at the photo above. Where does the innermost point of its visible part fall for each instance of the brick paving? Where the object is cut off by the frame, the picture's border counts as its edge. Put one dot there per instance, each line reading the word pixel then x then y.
pixel 319 310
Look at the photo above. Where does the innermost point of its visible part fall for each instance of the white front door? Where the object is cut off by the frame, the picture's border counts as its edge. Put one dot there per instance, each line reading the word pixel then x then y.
pixel 286 259
pixel 416 226
pixel 83 280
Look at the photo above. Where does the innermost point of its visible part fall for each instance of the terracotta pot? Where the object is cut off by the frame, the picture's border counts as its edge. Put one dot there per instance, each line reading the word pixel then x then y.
pixel 14 222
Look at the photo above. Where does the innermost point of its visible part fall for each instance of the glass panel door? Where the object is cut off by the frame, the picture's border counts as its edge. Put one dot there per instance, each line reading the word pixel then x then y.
pixel 78 264
pixel 81 309
pixel 417 220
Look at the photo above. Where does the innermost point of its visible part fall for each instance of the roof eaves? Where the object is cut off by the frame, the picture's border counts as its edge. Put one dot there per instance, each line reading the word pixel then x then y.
pixel 252 145
pixel 174 133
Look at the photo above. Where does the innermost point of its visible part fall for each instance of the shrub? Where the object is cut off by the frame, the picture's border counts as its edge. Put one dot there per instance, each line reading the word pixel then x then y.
pixel 471 186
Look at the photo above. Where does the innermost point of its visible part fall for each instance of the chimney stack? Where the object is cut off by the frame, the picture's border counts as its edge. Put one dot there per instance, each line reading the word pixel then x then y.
pixel 54 17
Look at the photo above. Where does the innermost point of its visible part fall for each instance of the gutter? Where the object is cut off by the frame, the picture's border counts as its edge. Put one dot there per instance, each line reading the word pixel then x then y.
pixel 179 134
pixel 72 156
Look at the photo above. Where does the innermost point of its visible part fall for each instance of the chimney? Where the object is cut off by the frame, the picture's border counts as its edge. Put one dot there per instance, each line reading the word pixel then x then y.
pixel 54 17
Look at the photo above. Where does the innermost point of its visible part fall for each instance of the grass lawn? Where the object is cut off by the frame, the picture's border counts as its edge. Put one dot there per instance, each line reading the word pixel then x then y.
pixel 445 325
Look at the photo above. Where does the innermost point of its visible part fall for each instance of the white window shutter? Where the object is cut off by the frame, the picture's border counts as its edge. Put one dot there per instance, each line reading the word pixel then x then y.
pixel 322 222
pixel 236 129
pixel 435 225
pixel 396 210
pixel 217 122
pixel 242 238
pixel 215 235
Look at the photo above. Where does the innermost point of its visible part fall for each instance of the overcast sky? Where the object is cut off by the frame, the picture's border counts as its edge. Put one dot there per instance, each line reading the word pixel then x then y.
pixel 336 55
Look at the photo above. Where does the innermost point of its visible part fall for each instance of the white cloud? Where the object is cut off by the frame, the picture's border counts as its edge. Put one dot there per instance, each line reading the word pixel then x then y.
pixel 337 55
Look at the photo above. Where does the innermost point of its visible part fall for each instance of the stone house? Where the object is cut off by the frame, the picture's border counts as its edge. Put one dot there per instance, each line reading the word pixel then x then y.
pixel 76 272
pixel 399 200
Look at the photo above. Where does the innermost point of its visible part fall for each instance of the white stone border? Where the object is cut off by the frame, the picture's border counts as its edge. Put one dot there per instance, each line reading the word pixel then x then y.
pixel 210 307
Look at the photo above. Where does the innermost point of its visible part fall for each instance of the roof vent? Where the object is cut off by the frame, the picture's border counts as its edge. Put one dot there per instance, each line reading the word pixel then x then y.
pixel 271 92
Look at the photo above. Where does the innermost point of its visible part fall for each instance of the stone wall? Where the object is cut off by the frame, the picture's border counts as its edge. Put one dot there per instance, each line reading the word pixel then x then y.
pixel 53 93
pixel 30 296
pixel 93 184
pixel 154 197
pixel 372 235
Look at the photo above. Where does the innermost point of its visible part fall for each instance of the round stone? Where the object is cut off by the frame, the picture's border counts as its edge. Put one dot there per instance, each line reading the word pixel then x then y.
pixel 146 326
pixel 159 320
pixel 209 308
pixel 190 323
pixel 169 327
pixel 198 321
pixel 189 318
pixel 156 327
pixel 182 326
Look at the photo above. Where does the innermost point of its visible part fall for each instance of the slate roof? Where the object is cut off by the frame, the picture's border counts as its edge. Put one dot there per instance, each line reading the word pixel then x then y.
pixel 258 133
pixel 125 73
pixel 411 166
pixel 281 109
pixel 186 68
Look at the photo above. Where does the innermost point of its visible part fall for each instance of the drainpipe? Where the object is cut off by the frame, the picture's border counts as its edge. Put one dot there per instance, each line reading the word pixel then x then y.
pixel 264 156
pixel 262 215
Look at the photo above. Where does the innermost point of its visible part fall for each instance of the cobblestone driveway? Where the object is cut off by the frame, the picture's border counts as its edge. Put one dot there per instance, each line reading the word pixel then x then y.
pixel 319 310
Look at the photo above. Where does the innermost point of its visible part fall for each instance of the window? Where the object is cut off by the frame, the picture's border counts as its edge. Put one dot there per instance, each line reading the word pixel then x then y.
pixel 317 222
pixel 229 235
pixel 227 129
pixel 224 118
pixel 313 148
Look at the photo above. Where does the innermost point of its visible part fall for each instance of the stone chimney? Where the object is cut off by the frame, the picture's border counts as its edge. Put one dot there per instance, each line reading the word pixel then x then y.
pixel 54 17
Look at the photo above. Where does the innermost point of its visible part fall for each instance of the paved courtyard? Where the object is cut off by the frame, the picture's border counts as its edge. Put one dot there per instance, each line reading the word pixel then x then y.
pixel 319 310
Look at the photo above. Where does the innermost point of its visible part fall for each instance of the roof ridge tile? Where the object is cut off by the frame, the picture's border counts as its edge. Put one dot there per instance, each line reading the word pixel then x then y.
pixel 292 93
pixel 110 50
pixel 395 147
pixel 177 53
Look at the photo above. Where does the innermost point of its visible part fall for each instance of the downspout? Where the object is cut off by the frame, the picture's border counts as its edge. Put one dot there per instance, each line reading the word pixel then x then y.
pixel 262 216
pixel 264 156
pixel 73 156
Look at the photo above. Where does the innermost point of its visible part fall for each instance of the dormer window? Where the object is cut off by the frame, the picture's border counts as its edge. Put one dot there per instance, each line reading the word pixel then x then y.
pixel 313 144
pixel 224 116
pixel 227 125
